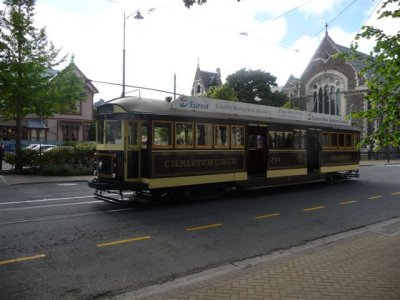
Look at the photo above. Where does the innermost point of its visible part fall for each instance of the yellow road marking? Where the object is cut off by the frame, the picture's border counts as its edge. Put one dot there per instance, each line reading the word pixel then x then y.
pixel 375 197
pixel 348 202
pixel 267 216
pixel 15 260
pixel 142 238
pixel 313 208
pixel 203 227
pixel 394 194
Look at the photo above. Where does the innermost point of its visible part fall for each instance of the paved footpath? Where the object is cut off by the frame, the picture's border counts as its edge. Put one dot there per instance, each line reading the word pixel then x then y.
pixel 359 264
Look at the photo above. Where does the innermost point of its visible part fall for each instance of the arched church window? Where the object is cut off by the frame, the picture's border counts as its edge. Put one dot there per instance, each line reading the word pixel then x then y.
pixel 320 100
pixel 337 102
pixel 332 98
pixel 325 93
pixel 315 101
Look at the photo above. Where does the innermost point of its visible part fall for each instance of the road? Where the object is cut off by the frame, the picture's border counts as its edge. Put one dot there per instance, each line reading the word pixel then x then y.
pixel 56 241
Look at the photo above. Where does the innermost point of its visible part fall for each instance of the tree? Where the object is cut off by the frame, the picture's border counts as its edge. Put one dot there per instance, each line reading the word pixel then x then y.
pixel 383 82
pixel 224 92
pixel 255 87
pixel 27 80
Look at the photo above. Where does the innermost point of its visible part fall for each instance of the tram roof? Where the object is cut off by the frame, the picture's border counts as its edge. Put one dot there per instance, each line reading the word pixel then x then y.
pixel 246 112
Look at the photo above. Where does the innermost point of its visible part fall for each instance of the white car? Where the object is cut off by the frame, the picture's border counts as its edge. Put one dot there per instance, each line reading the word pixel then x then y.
pixel 40 147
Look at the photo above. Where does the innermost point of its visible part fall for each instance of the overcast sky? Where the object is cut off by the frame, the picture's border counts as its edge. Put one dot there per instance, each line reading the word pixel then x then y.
pixel 277 37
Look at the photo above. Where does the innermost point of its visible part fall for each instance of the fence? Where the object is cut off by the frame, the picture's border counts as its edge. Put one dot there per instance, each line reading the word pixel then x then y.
pixel 75 158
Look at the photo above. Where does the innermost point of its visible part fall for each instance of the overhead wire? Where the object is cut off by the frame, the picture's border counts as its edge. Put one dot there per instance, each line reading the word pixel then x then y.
pixel 337 16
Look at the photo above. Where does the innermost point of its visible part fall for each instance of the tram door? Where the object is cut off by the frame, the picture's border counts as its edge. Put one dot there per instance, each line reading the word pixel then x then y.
pixel 313 150
pixel 132 151
pixel 257 150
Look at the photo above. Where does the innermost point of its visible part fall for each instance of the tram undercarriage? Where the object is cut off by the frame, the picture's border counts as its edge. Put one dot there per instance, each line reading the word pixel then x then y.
pixel 126 193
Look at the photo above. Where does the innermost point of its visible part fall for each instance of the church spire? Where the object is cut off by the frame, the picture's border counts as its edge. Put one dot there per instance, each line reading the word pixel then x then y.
pixel 326 28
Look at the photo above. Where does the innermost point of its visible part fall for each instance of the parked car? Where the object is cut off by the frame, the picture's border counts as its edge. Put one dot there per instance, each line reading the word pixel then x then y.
pixel 40 147
pixel 11 147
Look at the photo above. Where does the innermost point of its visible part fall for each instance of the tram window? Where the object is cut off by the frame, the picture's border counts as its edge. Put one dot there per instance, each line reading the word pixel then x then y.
pixel 100 132
pixel 144 134
pixel 280 139
pixel 132 133
pixel 221 136
pixel 341 139
pixel 334 141
pixel 325 140
pixel 204 135
pixel 237 137
pixel 349 141
pixel 288 142
pixel 162 132
pixel 303 138
pixel 113 132
pixel 183 135
pixel 271 140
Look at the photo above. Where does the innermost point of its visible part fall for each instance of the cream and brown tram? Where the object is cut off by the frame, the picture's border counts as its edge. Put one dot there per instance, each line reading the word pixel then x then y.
pixel 191 147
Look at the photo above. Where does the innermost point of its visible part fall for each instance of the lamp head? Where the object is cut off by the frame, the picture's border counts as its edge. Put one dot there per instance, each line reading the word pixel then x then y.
pixel 138 16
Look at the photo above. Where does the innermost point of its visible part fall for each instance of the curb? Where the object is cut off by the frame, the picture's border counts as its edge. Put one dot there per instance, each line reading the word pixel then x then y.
pixel 232 267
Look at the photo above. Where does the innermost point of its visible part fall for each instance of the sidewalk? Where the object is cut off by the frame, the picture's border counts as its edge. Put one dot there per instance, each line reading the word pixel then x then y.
pixel 358 264
pixel 27 179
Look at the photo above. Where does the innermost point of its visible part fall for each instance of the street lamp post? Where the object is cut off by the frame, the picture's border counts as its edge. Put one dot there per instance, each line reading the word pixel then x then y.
pixel 138 16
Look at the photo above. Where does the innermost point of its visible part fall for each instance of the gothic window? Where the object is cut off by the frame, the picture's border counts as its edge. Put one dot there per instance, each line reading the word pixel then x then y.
pixel 326 94
pixel 315 101
pixel 320 100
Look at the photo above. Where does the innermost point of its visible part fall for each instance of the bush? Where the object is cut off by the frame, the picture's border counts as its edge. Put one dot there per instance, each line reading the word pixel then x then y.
pixel 74 159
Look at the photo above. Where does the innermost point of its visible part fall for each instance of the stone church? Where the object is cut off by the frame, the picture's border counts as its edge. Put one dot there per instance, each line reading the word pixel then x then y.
pixel 330 85
pixel 204 80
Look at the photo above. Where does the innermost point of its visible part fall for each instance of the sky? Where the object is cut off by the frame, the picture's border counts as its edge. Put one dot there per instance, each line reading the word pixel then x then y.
pixel 278 37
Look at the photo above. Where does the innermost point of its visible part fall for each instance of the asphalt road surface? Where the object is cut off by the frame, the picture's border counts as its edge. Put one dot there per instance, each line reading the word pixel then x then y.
pixel 57 241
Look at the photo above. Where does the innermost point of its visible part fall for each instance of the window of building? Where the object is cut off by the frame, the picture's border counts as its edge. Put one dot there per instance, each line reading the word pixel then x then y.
pixel 183 135
pixel 162 134
pixel 204 136
pixel 70 133
pixel 326 94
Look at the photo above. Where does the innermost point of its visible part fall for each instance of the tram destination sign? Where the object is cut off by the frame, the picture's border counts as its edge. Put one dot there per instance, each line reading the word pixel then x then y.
pixel 203 104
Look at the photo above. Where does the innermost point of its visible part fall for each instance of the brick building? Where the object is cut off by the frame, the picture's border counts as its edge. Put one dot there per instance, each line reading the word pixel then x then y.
pixel 330 85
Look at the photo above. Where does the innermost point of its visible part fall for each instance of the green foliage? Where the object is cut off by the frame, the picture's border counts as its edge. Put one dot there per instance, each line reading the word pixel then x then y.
pixel 224 92
pixel 382 68
pixel 27 80
pixel 74 159
pixel 255 87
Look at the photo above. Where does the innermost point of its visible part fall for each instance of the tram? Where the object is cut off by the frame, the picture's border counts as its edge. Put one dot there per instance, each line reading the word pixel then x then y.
pixel 193 146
